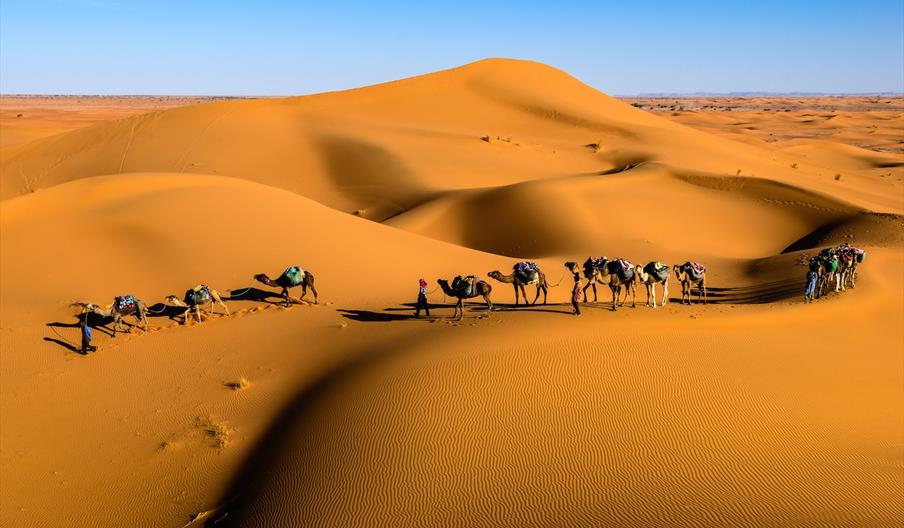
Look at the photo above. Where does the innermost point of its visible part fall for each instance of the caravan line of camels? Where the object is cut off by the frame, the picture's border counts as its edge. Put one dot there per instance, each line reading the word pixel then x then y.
pixel 836 268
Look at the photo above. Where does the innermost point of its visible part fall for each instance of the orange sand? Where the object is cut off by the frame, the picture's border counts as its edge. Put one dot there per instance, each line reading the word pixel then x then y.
pixel 754 410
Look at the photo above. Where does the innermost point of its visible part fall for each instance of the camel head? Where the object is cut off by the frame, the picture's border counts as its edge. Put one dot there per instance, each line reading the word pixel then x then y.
pixel 261 277
pixel 172 299
pixel 679 270
pixel 495 274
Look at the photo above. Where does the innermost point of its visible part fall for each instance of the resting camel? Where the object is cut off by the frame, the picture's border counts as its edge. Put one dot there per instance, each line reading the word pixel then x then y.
pixel 518 281
pixel 121 307
pixel 195 297
pixel 290 278
pixel 648 276
pixel 689 278
pixel 481 289
pixel 594 272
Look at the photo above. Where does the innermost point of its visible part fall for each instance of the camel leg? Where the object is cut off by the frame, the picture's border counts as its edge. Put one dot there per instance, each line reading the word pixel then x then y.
pixel 515 285
pixel 143 319
pixel 545 292
pixel 285 295
pixel 310 283
pixel 651 294
pixel 116 321
pixel 616 291
pixel 490 303
pixel 538 295
pixel 589 284
pixel 665 293
pixel 215 295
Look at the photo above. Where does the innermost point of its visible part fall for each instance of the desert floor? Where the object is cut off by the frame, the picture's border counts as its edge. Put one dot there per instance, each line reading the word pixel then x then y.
pixel 754 409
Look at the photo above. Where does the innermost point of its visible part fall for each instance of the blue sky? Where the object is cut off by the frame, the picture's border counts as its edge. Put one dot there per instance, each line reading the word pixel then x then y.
pixel 285 48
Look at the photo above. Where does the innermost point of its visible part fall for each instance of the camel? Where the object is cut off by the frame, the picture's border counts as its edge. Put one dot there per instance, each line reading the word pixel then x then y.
pixel 619 277
pixel 480 289
pixel 121 307
pixel 290 278
pixel 689 277
pixel 828 272
pixel 519 280
pixel 849 258
pixel 194 298
pixel 595 271
pixel 648 276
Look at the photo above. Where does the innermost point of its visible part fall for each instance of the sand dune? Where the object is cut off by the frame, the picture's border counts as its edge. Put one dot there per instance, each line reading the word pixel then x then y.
pixel 754 410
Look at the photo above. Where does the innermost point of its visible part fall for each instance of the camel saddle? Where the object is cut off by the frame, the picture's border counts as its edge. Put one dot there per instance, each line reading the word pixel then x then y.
pixel 528 272
pixel 658 270
pixel 595 264
pixel 694 270
pixel 200 294
pixel 624 269
pixel 466 285
pixel 294 274
pixel 124 304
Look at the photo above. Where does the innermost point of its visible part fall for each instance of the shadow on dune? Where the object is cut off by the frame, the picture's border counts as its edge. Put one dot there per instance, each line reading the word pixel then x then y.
pixel 764 293
pixel 165 310
pixel 250 293
pixel 66 345
pixel 252 477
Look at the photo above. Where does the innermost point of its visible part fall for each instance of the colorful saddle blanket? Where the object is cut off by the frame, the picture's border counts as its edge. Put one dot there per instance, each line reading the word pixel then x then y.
pixel 597 263
pixel 527 271
pixel 125 304
pixel 294 274
pixel 200 294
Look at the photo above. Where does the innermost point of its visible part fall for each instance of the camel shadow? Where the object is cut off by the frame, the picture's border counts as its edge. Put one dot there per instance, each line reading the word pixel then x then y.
pixel 764 293
pixel 250 293
pixel 165 310
pixel 539 308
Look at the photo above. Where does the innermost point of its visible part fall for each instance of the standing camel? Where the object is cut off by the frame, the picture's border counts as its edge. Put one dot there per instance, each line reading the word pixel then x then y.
pixel 122 307
pixel 466 288
pixel 596 270
pixel 691 274
pixel 195 297
pixel 293 276
pixel 621 273
pixel 650 275
pixel 524 273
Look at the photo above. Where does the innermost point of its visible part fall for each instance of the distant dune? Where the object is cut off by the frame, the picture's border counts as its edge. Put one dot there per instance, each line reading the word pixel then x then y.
pixel 754 410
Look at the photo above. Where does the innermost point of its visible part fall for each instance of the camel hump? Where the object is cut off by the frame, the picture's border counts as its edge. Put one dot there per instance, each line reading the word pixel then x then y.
pixel 125 303
pixel 294 274
pixel 528 272
pixel 200 294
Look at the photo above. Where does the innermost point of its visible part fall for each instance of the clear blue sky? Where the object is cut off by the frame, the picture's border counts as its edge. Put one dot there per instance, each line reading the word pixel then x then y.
pixel 283 48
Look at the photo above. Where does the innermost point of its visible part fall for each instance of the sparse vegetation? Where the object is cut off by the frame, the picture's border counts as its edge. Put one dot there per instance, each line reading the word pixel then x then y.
pixel 838 177
pixel 794 165
pixel 738 173
pixel 595 147
pixel 239 384
pixel 215 430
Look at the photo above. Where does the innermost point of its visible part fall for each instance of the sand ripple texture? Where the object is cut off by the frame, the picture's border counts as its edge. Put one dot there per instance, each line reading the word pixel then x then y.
pixel 591 430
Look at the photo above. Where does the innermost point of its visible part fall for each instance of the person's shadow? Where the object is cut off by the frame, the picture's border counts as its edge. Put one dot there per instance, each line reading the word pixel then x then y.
pixel 95 322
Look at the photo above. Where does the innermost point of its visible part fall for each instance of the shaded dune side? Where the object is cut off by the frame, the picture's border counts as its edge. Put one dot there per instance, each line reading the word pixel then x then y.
pixel 451 435
pixel 645 206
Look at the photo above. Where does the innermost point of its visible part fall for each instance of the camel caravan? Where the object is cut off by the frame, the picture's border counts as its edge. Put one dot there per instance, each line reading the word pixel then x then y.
pixel 831 270
pixel 194 299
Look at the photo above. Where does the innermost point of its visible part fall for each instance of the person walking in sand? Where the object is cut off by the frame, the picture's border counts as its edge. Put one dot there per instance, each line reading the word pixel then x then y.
pixel 577 293
pixel 86 334
pixel 812 277
pixel 422 299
